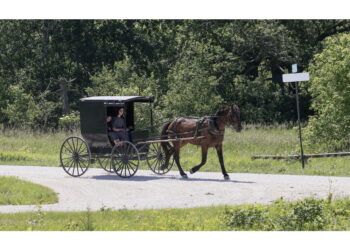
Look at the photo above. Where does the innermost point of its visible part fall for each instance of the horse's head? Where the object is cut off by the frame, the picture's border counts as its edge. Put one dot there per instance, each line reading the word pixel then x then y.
pixel 235 117
pixel 232 115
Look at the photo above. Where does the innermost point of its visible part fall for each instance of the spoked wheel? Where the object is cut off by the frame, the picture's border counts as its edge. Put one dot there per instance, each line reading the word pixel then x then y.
pixel 156 159
pixel 75 156
pixel 125 159
pixel 105 163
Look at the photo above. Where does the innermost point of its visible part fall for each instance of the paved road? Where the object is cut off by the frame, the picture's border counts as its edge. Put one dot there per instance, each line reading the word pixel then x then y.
pixel 98 189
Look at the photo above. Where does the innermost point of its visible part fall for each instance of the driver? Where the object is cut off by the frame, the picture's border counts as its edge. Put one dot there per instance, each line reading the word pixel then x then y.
pixel 118 131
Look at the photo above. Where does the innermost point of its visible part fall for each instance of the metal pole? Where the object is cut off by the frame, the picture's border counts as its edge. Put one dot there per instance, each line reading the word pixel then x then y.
pixel 298 111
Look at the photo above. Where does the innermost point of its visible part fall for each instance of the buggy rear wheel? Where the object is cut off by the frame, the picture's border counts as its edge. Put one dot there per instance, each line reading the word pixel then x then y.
pixel 125 159
pixel 156 159
pixel 75 156
pixel 105 163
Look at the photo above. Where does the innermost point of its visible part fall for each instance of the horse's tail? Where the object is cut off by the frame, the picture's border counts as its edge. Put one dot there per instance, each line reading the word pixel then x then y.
pixel 168 149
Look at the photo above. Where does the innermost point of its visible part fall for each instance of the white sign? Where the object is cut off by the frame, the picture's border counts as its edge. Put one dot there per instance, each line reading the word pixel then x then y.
pixel 296 77
pixel 294 68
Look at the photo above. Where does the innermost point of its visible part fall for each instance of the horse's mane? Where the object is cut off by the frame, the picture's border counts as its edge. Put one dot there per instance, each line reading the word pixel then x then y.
pixel 218 113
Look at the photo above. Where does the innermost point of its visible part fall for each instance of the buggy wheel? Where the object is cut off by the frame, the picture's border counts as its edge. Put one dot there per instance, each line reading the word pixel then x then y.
pixel 75 156
pixel 105 163
pixel 156 159
pixel 125 159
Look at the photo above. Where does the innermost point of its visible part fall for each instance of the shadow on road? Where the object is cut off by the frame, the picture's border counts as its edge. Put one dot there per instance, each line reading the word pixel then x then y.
pixel 157 177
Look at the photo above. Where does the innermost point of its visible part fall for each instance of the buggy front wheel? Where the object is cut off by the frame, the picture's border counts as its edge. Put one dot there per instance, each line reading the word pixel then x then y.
pixel 75 156
pixel 125 159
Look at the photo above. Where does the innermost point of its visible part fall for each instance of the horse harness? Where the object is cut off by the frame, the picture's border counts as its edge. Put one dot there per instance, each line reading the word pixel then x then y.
pixel 212 129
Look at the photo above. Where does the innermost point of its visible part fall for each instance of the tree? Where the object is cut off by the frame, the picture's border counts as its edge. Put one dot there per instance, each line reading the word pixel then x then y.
pixel 193 88
pixel 122 80
pixel 330 91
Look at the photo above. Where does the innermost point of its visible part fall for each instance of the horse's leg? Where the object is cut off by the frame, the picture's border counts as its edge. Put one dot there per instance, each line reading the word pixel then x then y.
pixel 204 160
pixel 177 159
pixel 221 160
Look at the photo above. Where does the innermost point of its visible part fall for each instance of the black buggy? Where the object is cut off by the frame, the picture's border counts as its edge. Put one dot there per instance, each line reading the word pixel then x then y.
pixel 78 153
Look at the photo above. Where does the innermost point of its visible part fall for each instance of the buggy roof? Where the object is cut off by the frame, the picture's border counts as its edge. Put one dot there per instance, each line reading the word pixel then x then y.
pixel 118 99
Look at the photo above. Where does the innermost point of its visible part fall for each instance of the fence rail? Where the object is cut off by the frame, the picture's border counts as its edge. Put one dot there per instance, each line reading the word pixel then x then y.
pixel 281 157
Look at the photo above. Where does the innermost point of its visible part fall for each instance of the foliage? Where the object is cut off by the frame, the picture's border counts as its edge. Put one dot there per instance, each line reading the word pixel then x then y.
pixel 170 59
pixel 330 91
pixel 14 191
pixel 306 215
pixel 122 80
pixel 193 88
pixel 70 122
pixel 20 110
pixel 24 110
pixel 254 98
pixel 309 214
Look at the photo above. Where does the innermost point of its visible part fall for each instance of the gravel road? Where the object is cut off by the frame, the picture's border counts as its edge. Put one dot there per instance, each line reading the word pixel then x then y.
pixel 98 189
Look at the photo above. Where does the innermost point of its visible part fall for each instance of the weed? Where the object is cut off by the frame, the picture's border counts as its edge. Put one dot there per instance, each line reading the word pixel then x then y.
pixel 37 220
pixel 246 217
pixel 87 221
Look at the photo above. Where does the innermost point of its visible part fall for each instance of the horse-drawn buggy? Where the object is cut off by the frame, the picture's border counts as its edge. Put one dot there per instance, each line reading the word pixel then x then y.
pixel 141 143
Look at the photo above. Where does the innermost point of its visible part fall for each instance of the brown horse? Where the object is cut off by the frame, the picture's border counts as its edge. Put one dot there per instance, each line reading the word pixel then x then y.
pixel 207 132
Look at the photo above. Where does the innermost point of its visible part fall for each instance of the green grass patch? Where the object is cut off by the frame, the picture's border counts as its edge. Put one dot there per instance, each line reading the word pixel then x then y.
pixel 305 215
pixel 42 149
pixel 240 147
pixel 14 191
pixel 193 219
pixel 308 214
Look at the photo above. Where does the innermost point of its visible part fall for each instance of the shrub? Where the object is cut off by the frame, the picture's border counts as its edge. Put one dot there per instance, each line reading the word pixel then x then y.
pixel 329 88
pixel 309 214
pixel 246 218
pixel 70 122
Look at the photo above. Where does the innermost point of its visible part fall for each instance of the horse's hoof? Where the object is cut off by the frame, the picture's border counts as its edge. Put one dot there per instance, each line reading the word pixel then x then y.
pixel 184 176
pixel 191 171
pixel 226 177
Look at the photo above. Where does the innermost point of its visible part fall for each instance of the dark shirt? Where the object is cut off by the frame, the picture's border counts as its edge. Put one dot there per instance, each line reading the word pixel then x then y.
pixel 118 122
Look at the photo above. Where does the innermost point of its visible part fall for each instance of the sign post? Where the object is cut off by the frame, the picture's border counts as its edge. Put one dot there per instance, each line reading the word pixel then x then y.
pixel 297 77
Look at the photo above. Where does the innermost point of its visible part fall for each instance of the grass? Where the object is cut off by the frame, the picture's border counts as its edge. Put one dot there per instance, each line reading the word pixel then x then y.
pixel 240 147
pixel 308 214
pixel 193 219
pixel 28 148
pixel 23 148
pixel 14 191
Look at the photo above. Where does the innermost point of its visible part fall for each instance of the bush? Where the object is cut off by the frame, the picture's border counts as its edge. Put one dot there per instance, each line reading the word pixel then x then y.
pixel 70 122
pixel 246 218
pixel 309 214
pixel 20 110
pixel 25 110
pixel 329 88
